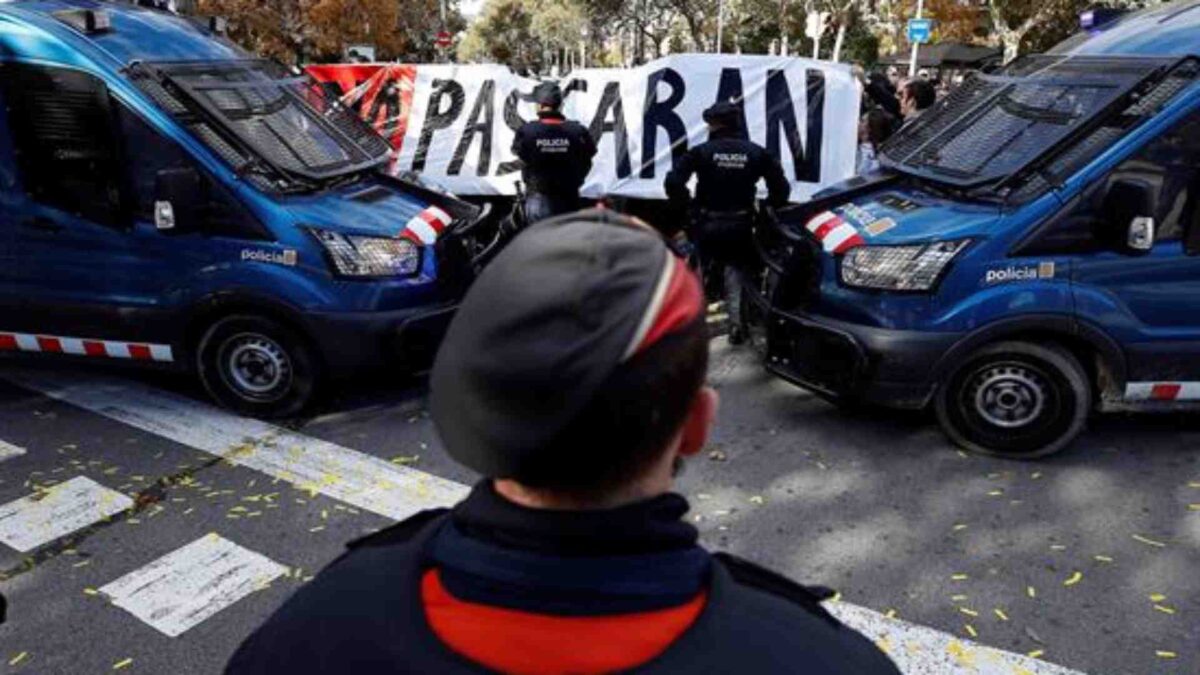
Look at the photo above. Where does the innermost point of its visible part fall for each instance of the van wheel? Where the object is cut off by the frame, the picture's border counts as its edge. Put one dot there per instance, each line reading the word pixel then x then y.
pixel 257 367
pixel 1016 400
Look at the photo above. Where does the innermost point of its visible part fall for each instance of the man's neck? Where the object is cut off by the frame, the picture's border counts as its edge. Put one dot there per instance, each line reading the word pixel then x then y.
pixel 533 498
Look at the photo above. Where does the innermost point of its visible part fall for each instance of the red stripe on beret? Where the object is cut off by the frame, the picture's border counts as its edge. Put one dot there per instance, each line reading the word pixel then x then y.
pixel 681 304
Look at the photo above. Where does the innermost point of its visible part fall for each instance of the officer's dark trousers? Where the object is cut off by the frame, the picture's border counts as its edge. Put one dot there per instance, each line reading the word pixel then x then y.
pixel 540 206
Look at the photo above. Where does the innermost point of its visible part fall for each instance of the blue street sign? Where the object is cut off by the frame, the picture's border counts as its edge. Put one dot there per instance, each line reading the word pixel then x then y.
pixel 919 30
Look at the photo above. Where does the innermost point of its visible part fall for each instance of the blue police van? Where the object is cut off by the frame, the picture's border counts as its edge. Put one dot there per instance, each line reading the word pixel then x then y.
pixel 168 199
pixel 1029 254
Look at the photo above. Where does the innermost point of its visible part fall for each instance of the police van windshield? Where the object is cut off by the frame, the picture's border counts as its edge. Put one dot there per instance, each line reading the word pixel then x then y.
pixel 277 125
pixel 994 127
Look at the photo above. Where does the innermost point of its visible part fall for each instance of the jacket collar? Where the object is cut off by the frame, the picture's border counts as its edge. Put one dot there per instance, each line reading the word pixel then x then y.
pixel 650 526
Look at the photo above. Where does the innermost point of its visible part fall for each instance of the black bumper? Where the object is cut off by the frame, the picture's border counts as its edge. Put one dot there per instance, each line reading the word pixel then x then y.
pixel 355 343
pixel 846 361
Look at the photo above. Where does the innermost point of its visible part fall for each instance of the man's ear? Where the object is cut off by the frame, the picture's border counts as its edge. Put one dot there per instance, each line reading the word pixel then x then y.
pixel 700 419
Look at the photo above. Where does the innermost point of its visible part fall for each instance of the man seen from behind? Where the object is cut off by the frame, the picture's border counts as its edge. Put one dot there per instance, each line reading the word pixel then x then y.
pixel 728 168
pixel 556 157
pixel 572 380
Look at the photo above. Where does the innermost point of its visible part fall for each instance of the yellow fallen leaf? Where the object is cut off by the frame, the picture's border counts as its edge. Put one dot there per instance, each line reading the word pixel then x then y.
pixel 837 597
pixel 1000 614
pixel 968 611
pixel 1073 579
pixel 1164 609
pixel 123 663
pixel 891 614
pixel 958 598
pixel 1148 541
pixel 18 658
pixel 1035 475
pixel 959 577
pixel 971 630
pixel 316 529
pixel 1164 654
pixel 90 591
pixel 1036 654
pixel 1103 558
pixel 756 499
pixel 1031 591
pixel 960 526
pixel 1193 507
pixel 1157 597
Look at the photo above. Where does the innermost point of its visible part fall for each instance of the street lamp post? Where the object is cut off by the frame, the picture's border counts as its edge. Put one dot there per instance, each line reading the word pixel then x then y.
pixel 912 63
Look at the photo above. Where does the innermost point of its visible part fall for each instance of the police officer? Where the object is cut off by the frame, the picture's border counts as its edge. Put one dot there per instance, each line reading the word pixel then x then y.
pixel 572 378
pixel 728 168
pixel 556 156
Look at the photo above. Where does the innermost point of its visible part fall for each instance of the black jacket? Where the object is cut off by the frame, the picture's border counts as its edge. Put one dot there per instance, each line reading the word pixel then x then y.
pixel 727 170
pixel 556 155
pixel 363 614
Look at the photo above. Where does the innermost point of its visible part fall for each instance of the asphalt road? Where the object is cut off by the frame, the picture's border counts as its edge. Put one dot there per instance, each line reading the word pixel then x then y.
pixel 1090 559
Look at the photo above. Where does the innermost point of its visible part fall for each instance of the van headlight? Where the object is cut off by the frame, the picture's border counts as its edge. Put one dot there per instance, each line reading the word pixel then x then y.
pixel 357 256
pixel 899 268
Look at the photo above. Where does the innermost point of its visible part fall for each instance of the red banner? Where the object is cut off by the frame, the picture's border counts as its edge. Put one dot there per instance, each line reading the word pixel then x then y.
pixel 380 93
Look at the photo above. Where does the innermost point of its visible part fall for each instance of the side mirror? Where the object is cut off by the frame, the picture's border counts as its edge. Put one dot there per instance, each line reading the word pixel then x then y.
pixel 177 199
pixel 1141 234
pixel 1128 222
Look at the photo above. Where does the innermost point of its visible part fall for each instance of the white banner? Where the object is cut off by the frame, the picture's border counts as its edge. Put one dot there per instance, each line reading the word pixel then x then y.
pixel 459 128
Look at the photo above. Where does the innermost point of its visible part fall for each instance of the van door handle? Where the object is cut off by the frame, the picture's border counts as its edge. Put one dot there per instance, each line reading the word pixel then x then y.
pixel 44 224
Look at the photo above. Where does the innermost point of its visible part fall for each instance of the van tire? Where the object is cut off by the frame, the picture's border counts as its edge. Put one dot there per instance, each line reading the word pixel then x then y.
pixel 257 367
pixel 1017 400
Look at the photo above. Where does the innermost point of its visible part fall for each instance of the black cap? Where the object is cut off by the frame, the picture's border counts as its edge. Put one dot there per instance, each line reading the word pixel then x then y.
pixel 724 114
pixel 543 326
pixel 548 94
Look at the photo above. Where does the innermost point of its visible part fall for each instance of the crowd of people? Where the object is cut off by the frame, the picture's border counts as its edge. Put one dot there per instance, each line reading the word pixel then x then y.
pixel 889 102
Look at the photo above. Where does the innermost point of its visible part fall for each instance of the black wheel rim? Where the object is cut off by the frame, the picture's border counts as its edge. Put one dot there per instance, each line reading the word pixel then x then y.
pixel 1013 407
pixel 255 367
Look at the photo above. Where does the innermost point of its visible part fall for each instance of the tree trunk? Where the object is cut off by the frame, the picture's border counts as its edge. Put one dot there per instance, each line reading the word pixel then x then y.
pixel 837 42
pixel 1011 41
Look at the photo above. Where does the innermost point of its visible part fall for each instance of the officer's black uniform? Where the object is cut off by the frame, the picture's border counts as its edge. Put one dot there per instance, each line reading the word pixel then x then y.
pixel 727 168
pixel 359 616
pixel 550 320
pixel 556 156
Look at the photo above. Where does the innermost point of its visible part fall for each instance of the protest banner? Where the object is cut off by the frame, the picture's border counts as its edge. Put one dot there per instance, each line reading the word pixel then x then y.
pixel 454 124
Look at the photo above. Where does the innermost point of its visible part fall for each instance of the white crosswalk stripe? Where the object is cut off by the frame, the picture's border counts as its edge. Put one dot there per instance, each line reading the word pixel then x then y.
pixel 919 650
pixel 46 515
pixel 183 588
pixel 374 484
pixel 8 451
pixel 318 466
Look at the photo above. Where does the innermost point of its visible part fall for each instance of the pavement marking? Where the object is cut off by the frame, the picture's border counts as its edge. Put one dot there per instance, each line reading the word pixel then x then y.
pixel 398 492
pixel 46 515
pixel 8 451
pixel 918 650
pixel 353 477
pixel 192 583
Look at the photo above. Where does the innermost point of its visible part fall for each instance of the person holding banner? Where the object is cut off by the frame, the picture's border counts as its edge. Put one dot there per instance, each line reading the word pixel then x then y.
pixel 728 169
pixel 556 157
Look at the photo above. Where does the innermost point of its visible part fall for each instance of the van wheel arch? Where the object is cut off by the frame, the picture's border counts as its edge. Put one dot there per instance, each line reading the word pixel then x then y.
pixel 1101 356
pixel 210 310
